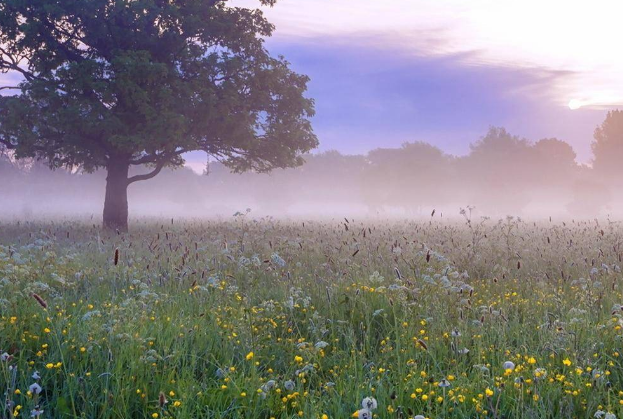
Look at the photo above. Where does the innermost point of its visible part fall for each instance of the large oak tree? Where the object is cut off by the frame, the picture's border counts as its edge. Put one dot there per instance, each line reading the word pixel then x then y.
pixel 116 83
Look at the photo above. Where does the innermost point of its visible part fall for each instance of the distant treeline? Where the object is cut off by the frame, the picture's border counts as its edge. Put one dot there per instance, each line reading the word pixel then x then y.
pixel 502 174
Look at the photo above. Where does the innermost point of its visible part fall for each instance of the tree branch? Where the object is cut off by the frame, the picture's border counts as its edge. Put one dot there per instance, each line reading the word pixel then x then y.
pixel 11 62
pixel 69 38
pixel 152 158
pixel 149 158
pixel 149 175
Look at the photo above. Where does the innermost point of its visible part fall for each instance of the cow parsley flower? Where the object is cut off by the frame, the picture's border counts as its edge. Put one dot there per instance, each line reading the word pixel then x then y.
pixel 278 260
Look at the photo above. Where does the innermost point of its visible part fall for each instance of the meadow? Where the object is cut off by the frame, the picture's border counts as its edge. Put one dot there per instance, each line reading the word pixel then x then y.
pixel 244 318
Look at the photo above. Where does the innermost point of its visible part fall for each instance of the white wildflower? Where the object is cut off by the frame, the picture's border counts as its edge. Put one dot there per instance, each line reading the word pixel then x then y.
pixel 369 403
pixel 35 388
pixel 289 385
pixel 36 412
pixel 444 383
pixel 509 365
pixel 321 344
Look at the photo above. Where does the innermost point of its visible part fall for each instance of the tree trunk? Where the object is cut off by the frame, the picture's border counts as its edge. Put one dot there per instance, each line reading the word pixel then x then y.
pixel 116 201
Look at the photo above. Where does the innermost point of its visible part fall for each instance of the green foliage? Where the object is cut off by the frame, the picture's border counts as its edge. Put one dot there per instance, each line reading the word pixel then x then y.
pixel 144 81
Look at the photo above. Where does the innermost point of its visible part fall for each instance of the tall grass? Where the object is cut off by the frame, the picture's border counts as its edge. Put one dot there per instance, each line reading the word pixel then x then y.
pixel 266 318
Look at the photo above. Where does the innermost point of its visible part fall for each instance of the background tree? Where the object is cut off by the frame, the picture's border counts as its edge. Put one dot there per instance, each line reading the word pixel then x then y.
pixel 608 147
pixel 498 170
pixel 554 164
pixel 115 83
pixel 413 176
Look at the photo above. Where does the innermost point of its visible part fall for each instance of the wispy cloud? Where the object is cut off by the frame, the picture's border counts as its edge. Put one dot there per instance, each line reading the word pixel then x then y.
pixel 558 35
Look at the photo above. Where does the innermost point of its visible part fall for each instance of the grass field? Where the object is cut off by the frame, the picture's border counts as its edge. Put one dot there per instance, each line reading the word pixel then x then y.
pixel 276 319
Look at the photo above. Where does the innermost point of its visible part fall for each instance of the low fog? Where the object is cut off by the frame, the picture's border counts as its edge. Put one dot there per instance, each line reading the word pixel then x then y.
pixel 502 175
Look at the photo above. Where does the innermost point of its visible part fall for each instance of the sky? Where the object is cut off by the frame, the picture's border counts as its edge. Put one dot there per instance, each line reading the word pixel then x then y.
pixel 443 71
